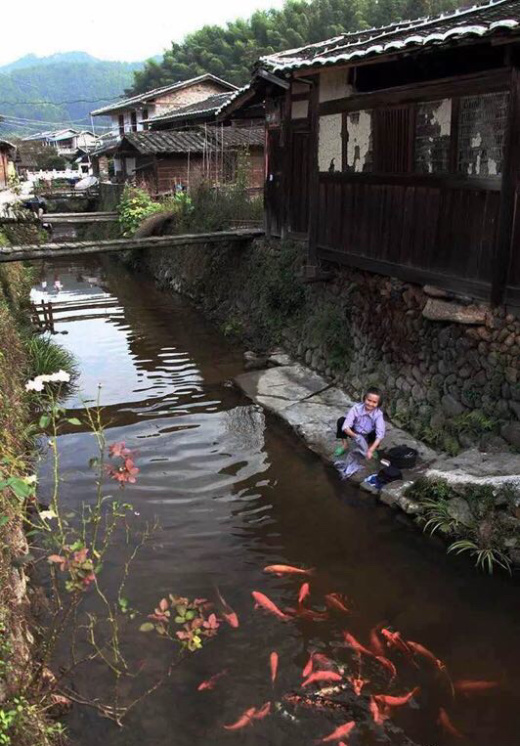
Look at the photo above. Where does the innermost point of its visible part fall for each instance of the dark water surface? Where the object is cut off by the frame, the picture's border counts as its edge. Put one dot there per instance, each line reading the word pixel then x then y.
pixel 233 490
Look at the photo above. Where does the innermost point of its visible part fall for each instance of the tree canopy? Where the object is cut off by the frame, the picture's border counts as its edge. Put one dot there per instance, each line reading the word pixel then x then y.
pixel 230 51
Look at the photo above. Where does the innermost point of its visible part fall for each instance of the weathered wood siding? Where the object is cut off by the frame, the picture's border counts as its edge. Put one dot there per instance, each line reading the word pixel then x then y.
pixel 413 228
pixel 4 169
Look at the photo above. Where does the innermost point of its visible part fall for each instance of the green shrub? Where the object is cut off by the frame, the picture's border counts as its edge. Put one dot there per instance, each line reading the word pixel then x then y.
pixel 135 205
pixel 46 356
pixel 330 328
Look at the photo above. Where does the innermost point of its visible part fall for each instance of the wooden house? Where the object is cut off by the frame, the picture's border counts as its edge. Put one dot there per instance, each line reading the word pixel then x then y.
pixel 164 162
pixel 132 114
pixel 397 150
pixel 7 167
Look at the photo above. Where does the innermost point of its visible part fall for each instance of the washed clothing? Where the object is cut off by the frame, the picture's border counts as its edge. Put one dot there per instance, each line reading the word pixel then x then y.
pixel 363 422
pixel 355 459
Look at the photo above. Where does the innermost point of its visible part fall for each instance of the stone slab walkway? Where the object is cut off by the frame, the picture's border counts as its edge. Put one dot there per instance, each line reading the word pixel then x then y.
pixel 311 406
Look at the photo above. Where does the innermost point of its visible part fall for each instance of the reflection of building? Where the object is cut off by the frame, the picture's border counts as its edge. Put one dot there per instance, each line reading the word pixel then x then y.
pixel 166 161
pixel 396 150
pixel 7 167
pixel 131 114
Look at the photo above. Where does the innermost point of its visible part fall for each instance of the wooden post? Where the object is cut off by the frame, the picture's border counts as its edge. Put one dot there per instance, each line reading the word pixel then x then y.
pixel 503 247
pixel 287 165
pixel 314 174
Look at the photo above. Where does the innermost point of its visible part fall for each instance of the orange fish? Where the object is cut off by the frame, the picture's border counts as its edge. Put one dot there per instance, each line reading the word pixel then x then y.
pixel 245 719
pixel 447 724
pixel 305 591
pixel 273 663
pixel 319 658
pixel 376 646
pixel 341 732
pixel 321 676
pixel 395 640
pixel 229 615
pixel 379 713
pixel 262 712
pixel 468 686
pixel 390 701
pixel 357 684
pixel 421 650
pixel 387 664
pixel 210 683
pixel 262 601
pixel 358 647
pixel 288 570
pixel 338 602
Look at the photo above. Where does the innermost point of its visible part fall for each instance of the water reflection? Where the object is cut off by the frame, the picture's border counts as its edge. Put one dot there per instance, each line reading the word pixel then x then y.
pixel 234 491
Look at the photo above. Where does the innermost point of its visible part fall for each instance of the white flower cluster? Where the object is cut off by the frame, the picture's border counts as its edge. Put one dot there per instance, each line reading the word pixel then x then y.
pixel 37 384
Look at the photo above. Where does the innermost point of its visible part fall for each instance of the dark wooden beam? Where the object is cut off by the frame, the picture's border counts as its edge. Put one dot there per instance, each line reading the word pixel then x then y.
pixel 503 246
pixel 314 174
pixel 448 181
pixel 465 85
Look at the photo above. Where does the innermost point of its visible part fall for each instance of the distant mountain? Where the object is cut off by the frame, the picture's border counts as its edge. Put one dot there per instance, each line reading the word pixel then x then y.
pixel 38 93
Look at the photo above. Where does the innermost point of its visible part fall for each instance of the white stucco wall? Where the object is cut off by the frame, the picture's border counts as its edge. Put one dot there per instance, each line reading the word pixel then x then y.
pixel 334 85
pixel 299 109
pixel 329 142
pixel 359 141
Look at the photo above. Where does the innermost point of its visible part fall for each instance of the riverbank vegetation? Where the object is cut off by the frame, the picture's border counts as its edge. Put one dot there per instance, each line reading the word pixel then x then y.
pixel 479 520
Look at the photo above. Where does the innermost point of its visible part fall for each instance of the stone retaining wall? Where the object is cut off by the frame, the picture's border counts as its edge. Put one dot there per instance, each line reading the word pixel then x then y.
pixel 449 368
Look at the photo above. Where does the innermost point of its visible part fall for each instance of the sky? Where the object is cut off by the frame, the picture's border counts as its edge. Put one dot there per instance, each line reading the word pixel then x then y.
pixel 110 29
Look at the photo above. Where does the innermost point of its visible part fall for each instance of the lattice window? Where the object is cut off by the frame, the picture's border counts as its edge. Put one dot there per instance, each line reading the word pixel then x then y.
pixel 358 142
pixel 432 137
pixel 482 127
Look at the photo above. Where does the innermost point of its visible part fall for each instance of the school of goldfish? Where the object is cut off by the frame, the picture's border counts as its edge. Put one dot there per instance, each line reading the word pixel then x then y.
pixel 373 666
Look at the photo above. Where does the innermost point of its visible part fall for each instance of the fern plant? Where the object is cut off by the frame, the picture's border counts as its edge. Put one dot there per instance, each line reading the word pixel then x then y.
pixel 438 517
pixel 485 557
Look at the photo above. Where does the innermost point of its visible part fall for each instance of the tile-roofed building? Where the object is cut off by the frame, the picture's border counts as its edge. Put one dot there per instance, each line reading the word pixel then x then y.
pixel 500 17
pixel 7 168
pixel 203 110
pixel 132 114
pixel 186 141
pixel 395 150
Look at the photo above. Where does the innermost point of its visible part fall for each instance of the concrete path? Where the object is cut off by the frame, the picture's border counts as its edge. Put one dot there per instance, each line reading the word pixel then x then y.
pixel 311 405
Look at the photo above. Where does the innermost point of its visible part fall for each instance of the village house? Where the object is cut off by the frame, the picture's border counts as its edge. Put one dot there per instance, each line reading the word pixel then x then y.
pixel 173 160
pixel 132 114
pixel 396 150
pixel 7 167
pixel 66 142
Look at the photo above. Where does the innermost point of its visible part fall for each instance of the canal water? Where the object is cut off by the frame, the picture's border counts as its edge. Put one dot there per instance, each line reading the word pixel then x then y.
pixel 232 491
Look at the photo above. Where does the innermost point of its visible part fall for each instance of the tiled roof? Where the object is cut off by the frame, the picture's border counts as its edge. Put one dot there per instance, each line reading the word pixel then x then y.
pixel 142 98
pixel 493 18
pixel 241 137
pixel 208 105
pixel 148 143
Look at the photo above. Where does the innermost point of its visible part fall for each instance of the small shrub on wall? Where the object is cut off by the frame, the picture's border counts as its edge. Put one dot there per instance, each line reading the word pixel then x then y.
pixel 135 205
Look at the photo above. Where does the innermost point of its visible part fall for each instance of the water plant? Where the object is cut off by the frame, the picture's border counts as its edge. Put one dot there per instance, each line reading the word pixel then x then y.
pixel 47 356
pixel 485 557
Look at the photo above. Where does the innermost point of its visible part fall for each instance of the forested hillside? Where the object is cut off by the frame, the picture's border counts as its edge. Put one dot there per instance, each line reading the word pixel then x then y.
pixel 62 89
pixel 230 51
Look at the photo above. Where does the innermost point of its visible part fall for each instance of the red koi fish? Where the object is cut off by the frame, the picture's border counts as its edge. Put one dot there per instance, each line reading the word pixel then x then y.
pixel 419 649
pixel 446 723
pixel 245 719
pixel 356 645
pixel 265 603
pixel 273 664
pixel 210 683
pixel 318 676
pixel 314 658
pixel 357 684
pixel 388 665
pixel 305 591
pixel 229 615
pixel 376 646
pixel 341 732
pixel 249 715
pixel 338 602
pixel 379 712
pixel 395 640
pixel 387 700
pixel 288 570
pixel 468 686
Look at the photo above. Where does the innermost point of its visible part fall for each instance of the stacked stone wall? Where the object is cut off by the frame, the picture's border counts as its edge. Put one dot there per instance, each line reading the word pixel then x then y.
pixel 449 368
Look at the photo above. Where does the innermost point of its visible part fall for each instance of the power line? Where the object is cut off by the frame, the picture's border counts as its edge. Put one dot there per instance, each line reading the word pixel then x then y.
pixel 54 103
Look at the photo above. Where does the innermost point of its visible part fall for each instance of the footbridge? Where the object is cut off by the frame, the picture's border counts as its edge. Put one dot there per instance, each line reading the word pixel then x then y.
pixel 80 248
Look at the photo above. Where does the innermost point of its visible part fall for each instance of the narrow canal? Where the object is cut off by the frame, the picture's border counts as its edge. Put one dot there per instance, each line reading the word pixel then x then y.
pixel 233 491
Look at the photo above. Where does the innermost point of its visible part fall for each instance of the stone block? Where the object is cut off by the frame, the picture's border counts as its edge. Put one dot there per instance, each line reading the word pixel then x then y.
pixel 451 407
pixel 441 310
pixel 459 510
pixel 511 433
